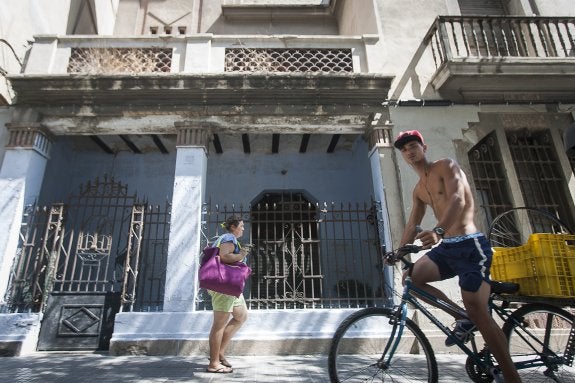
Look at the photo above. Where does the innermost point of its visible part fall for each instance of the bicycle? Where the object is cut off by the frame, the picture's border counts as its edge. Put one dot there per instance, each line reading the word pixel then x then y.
pixel 383 344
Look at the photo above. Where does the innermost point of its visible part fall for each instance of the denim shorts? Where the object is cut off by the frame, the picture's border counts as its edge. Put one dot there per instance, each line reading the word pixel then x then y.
pixel 468 257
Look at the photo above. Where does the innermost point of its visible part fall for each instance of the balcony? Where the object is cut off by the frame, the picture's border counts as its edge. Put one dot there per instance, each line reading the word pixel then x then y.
pixel 115 88
pixel 503 59
pixel 204 69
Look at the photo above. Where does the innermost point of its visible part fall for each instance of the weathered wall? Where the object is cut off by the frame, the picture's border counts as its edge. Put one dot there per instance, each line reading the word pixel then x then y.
pixel 402 50
pixel 554 8
pixel 340 176
pixel 151 175
pixel 232 176
pixel 4 118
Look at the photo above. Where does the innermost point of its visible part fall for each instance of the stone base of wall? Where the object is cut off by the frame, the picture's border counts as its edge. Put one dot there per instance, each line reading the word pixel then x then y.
pixel 19 333
pixel 272 332
pixel 190 347
pixel 278 332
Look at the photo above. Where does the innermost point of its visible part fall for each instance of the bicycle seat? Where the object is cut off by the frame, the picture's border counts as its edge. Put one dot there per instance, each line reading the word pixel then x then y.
pixel 503 287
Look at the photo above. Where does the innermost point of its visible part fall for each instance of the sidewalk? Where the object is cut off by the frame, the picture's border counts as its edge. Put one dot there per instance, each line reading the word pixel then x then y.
pixel 87 368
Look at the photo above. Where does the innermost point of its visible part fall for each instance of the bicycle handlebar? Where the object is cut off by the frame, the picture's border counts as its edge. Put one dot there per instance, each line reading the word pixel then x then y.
pixel 393 256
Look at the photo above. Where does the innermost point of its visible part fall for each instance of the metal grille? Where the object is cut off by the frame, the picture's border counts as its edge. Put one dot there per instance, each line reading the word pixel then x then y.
pixel 27 278
pixel 288 60
pixel 306 255
pixel 153 259
pixel 101 241
pixel 119 60
pixel 98 220
pixel 489 177
pixel 539 172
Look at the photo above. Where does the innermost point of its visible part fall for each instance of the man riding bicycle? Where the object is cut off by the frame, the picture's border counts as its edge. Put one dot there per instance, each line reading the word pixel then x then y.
pixel 461 249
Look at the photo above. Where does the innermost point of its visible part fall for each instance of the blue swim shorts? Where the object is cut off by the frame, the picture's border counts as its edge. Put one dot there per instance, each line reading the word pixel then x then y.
pixel 468 257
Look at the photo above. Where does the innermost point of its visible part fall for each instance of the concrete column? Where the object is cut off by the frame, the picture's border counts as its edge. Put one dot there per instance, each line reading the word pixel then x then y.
pixel 185 228
pixel 386 184
pixel 21 179
pixel 386 187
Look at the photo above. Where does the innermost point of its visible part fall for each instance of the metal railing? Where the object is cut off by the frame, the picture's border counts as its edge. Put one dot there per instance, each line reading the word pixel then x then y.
pixel 453 37
pixel 306 255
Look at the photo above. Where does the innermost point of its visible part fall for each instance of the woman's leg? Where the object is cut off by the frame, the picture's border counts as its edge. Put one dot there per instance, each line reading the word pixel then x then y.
pixel 239 316
pixel 216 338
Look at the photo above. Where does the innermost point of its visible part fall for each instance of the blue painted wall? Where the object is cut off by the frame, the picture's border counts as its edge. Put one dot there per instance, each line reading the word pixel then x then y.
pixel 233 176
pixel 340 176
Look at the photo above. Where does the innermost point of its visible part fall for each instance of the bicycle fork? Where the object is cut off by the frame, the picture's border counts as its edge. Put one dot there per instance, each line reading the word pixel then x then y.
pixel 398 324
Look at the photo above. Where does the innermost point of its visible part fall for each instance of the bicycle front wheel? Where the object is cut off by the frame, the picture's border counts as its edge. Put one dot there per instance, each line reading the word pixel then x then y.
pixel 361 347
pixel 542 343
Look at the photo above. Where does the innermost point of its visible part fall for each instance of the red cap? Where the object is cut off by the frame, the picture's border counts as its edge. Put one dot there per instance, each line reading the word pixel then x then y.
pixel 407 136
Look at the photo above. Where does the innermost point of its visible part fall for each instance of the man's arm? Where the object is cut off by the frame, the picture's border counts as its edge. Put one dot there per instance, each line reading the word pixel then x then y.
pixel 417 213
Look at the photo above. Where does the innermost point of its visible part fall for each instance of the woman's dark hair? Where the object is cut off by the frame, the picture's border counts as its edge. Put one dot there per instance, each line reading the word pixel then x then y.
pixel 233 220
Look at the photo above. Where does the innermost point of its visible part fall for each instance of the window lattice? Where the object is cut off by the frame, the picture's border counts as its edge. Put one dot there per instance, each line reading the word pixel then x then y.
pixel 535 161
pixel 538 169
pixel 288 60
pixel 119 60
pixel 489 177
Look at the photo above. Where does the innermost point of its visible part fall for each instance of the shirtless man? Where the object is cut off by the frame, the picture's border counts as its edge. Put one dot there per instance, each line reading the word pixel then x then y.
pixel 463 250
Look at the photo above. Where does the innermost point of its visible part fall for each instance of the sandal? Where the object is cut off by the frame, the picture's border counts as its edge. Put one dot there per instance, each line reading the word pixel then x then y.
pixel 225 362
pixel 221 370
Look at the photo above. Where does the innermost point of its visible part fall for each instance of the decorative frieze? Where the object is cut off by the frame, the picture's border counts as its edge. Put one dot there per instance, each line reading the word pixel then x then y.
pixel 191 135
pixel 32 136
pixel 381 136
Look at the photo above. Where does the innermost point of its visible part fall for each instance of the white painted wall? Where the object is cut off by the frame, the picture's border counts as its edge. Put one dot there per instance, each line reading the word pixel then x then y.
pixel 19 22
pixel 555 7
pixel 401 54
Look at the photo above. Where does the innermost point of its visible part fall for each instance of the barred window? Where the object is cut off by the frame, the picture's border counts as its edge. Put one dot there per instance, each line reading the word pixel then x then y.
pixel 538 171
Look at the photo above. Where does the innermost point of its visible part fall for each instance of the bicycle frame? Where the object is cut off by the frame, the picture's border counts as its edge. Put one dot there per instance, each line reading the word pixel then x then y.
pixel 410 295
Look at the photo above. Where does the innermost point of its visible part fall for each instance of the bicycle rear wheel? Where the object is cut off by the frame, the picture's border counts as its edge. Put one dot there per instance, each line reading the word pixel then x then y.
pixel 542 343
pixel 360 347
pixel 513 227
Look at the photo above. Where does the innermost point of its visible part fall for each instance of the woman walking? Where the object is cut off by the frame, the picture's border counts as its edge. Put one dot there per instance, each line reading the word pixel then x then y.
pixel 230 312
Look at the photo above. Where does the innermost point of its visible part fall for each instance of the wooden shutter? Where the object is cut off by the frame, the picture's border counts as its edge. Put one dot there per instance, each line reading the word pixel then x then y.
pixel 482 7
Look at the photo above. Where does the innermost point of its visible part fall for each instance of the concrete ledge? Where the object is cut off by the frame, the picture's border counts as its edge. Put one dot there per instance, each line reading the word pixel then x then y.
pixel 273 332
pixel 19 333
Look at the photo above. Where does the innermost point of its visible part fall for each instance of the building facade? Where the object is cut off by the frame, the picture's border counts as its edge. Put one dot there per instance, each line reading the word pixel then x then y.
pixel 134 128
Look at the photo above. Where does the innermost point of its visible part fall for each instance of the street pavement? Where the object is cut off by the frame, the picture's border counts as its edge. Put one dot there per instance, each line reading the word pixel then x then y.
pixel 87 367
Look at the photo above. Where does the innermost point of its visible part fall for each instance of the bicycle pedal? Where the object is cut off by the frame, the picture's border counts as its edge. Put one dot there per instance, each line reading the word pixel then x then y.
pixel 496 374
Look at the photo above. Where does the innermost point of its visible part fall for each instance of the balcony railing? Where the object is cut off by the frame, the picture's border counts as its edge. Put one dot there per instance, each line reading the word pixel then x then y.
pixel 198 54
pixel 458 37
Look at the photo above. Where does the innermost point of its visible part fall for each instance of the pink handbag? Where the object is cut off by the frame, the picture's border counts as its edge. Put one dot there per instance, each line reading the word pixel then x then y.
pixel 229 279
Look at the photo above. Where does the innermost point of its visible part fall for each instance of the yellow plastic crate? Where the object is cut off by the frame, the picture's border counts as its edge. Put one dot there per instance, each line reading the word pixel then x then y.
pixel 544 266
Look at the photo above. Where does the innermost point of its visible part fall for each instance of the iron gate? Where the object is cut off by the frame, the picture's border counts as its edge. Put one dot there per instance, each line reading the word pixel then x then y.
pixel 79 263
pixel 306 254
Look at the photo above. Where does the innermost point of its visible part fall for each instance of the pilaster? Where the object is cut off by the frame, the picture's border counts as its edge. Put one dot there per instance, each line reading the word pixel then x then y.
pixel 185 231
pixel 21 179
pixel 30 136
pixel 387 189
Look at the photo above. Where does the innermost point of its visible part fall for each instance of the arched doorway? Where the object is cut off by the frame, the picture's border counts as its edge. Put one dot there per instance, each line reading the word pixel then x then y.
pixel 287 264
